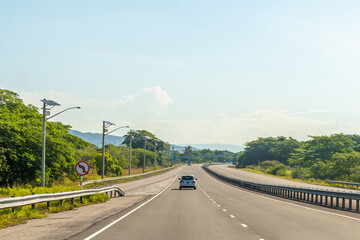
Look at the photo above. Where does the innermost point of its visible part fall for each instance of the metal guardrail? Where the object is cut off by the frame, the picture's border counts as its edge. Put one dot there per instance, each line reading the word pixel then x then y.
pixel 51 197
pixel 344 183
pixel 330 198
pixel 124 177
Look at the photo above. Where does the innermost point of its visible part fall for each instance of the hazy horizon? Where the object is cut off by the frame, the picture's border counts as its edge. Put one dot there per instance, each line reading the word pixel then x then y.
pixel 189 71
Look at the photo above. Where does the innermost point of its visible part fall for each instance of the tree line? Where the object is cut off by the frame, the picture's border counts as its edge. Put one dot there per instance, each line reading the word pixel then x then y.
pixel 334 157
pixel 21 144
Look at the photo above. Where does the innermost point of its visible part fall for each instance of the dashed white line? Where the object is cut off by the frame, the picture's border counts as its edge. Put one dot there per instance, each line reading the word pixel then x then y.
pixel 218 205
pixel 232 216
pixel 224 210
pixel 244 225
pixel 292 204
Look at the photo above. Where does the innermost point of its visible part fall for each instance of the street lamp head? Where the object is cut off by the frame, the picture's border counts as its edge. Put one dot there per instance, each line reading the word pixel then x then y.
pixel 78 107
pixel 50 102
pixel 109 123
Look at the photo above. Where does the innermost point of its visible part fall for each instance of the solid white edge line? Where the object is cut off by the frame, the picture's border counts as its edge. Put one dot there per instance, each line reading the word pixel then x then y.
pixel 122 217
pixel 292 204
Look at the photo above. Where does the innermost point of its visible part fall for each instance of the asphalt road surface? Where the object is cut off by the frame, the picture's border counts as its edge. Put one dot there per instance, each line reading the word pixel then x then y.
pixel 220 211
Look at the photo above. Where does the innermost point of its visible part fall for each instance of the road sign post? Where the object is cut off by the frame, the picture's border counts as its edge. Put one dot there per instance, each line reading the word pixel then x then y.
pixel 82 168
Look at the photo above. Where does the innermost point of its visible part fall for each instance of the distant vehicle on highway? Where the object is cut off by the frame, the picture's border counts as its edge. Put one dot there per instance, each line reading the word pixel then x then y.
pixel 187 181
pixel 189 163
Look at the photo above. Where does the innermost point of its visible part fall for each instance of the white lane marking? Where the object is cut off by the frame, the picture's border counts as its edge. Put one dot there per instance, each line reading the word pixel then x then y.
pixel 244 225
pixel 232 216
pixel 119 219
pixel 224 210
pixel 292 204
pixel 214 202
pixel 261 239
pixel 218 205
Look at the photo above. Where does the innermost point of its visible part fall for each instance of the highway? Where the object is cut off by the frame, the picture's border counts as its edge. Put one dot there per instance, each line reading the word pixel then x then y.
pixel 220 211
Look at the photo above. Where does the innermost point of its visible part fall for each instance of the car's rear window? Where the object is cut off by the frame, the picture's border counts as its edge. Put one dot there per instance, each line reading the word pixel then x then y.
pixel 187 177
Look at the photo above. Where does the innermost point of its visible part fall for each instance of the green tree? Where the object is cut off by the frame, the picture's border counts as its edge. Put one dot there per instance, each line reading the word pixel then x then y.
pixel 21 143
pixel 112 168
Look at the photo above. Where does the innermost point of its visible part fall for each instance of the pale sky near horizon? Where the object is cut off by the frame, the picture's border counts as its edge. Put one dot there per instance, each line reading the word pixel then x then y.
pixel 189 71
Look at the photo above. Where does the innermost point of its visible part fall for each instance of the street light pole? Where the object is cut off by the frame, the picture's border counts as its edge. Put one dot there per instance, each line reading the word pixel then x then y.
pixel 106 124
pixel 144 155
pixel 146 137
pixel 43 147
pixel 155 155
pixel 169 155
pixel 130 154
pixel 46 113
pixel 103 151
pixel 172 153
pixel 163 155
pixel 131 137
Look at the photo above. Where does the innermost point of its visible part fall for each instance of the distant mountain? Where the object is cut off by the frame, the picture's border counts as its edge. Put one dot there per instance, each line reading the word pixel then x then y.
pixel 96 138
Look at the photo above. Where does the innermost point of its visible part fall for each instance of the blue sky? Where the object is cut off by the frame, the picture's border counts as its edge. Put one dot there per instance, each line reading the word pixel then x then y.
pixel 189 71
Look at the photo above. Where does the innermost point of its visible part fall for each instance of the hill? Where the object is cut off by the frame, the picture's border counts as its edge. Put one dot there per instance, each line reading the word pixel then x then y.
pixel 96 139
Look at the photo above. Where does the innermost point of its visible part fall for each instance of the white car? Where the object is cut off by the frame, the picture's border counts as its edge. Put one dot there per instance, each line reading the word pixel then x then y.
pixel 187 181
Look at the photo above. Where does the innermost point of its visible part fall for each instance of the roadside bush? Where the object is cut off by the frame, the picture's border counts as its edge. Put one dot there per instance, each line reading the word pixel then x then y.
pixel 278 169
pixel 300 173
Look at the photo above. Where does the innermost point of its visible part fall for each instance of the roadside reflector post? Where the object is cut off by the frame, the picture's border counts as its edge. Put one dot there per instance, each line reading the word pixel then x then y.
pixel 81 181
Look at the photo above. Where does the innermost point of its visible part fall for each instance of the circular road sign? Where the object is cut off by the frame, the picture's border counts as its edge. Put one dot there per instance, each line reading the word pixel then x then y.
pixel 82 168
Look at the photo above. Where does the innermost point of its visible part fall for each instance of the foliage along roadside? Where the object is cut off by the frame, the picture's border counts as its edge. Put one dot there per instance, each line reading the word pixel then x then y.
pixel 334 157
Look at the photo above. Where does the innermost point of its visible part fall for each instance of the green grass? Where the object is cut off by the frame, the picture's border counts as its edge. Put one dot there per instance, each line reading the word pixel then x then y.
pixel 19 215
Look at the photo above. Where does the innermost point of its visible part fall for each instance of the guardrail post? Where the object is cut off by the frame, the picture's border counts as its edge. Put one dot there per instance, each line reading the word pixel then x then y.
pixel 48 205
pixel 326 200
pixel 337 202
pixel 350 204
pixel 331 201
pixel 312 197
pixel 81 200
pixel 343 203
pixel 357 205
pixel 72 201
pixel 33 205
pixel 307 196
